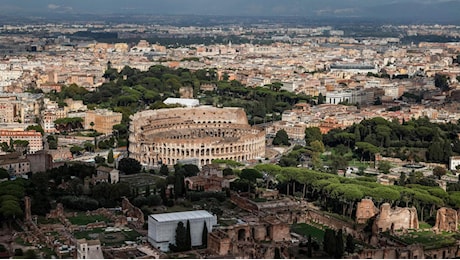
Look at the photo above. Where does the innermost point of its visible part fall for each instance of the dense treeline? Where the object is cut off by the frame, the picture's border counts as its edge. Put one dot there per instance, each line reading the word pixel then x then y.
pixel 340 194
pixel 131 90
pixel 414 140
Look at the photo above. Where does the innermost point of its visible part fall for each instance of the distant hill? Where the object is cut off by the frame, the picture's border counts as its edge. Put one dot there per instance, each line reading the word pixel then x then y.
pixel 407 11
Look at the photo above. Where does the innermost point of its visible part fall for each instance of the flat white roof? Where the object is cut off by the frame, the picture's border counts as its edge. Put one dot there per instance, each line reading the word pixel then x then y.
pixel 184 215
pixel 188 102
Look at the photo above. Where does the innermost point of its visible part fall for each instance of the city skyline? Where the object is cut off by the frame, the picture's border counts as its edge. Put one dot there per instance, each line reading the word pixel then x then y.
pixel 414 11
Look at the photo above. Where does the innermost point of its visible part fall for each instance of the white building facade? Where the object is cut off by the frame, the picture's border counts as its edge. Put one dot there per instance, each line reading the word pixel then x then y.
pixel 162 227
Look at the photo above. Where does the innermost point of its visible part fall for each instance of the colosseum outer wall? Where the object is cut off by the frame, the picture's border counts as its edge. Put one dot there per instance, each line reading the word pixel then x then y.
pixel 202 133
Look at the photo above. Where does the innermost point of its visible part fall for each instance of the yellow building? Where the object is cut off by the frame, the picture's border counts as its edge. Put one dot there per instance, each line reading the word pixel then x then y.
pixel 103 120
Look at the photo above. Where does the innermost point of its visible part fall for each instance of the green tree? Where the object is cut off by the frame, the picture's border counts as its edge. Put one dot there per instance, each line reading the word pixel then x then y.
pixel 441 82
pixel 188 237
pixel 447 149
pixel 227 171
pixel 190 170
pixel 129 166
pixel 338 162
pixel 281 138
pixel 30 254
pixel 339 245
pixel 204 236
pixel 269 170
pixel 439 171
pixel 320 99
pixel 4 174
pixel 76 150
pixel 435 152
pixel 402 179
pixel 251 175
pixel 366 150
pixel 313 134
pixel 357 133
pixel 181 238
pixel 164 170
pixel 99 159
pixel 350 244
pixel 329 242
pixel 179 185
pixel 384 167
pixel 317 148
pixel 37 128
pixel 277 253
pixel 110 158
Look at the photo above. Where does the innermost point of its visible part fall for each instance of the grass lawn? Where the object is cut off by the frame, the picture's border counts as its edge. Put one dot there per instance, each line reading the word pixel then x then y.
pixel 82 219
pixel 88 234
pixel 429 239
pixel 21 241
pixel 43 220
pixel 305 230
pixel 424 225
pixel 357 163
pixel 131 235
pixel 108 238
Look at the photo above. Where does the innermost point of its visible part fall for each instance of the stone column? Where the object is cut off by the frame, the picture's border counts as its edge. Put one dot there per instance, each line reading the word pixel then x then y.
pixel 28 214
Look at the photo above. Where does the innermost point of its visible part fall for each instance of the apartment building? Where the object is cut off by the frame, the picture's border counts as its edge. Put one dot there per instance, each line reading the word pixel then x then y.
pixel 20 107
pixel 48 118
pixel 15 163
pixel 103 120
pixel 346 96
pixel 34 138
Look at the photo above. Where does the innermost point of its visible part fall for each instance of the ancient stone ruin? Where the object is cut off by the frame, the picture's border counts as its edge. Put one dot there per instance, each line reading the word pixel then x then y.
pixel 168 136
pixel 134 214
pixel 446 220
pixel 365 210
pixel 396 218
pixel 244 239
pixel 27 211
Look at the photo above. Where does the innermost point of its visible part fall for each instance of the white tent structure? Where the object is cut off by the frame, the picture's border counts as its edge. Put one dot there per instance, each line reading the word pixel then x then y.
pixel 162 227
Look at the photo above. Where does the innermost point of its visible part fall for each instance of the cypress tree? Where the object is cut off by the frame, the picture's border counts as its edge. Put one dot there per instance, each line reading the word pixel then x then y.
pixel 179 186
pixel 350 248
pixel 357 134
pixel 339 244
pixel 110 156
pixel 309 249
pixel 188 237
pixel 320 99
pixel 204 236
pixel 277 253
pixel 329 242
pixel 163 195
pixel 164 170
pixel 180 238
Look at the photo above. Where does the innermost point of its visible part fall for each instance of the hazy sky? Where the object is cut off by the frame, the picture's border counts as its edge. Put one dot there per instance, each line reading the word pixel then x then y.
pixel 344 8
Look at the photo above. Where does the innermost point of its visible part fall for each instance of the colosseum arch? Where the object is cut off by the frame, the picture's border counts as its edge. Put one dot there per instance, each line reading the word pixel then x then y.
pixel 201 133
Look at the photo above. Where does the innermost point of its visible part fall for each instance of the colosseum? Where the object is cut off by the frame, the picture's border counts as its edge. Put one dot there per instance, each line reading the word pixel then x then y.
pixel 167 136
